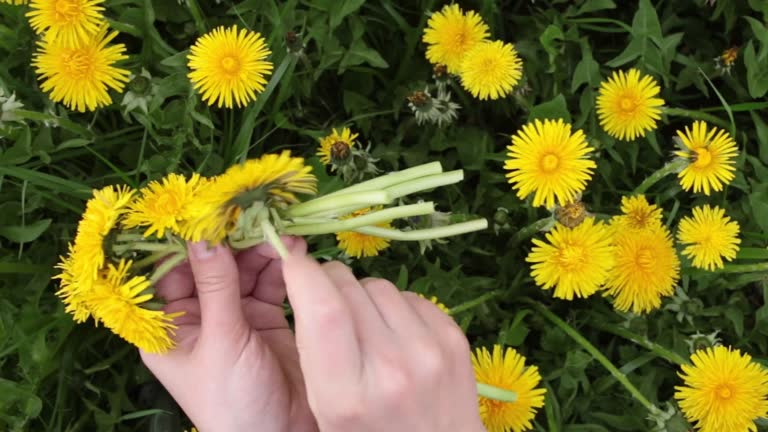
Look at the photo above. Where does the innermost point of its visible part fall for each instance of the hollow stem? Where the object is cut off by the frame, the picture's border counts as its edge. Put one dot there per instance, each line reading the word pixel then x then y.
pixel 424 183
pixel 744 268
pixel 657 349
pixel 591 349
pixel 121 248
pixel 151 259
pixel 327 203
pixel 129 237
pixel 474 302
pixel 167 265
pixel 670 168
pixel 531 230
pixel 696 115
pixel 274 239
pixel 425 234
pixel 496 393
pixel 391 179
pixel 373 218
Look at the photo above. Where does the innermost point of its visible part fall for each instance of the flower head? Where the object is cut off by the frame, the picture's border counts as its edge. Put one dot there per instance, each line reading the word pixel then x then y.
pixel 336 147
pixel 450 34
pixel 646 269
pixel 490 70
pixel 164 205
pixel 711 152
pixel 638 214
pixel 272 180
pixel 723 390
pixel 359 245
pixel 80 74
pixel 72 293
pixel 227 64
pixel 575 261
pixel 118 300
pixel 628 106
pixel 709 237
pixel 506 369
pixel 66 21
pixel 546 158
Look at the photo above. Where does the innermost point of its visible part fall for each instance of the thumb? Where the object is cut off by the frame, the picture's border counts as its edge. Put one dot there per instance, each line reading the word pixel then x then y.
pixel 218 288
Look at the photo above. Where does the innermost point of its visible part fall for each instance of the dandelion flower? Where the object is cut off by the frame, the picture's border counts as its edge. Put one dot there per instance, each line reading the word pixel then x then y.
pixel 638 214
pixel 710 236
pixel 273 179
pixel 506 369
pixel 723 390
pixel 450 34
pixel 102 213
pixel 628 106
pixel 81 74
pixel 227 64
pixel 571 214
pixel 72 292
pixel 437 303
pixel 646 268
pixel 66 21
pixel 336 146
pixel 711 152
pixel 546 158
pixel 575 261
pixel 164 205
pixel 359 245
pixel 118 301
pixel 490 70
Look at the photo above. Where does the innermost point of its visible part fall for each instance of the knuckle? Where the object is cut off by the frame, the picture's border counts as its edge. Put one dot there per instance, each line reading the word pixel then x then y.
pixel 213 281
pixel 336 266
pixel 456 339
pixel 346 413
pixel 377 284
pixel 394 383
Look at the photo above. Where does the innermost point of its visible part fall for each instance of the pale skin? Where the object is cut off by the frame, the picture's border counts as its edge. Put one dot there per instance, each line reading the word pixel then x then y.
pixel 364 356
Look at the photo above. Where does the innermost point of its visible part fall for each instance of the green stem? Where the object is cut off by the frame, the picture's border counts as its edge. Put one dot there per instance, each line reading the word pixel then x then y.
pixel 151 259
pixel 144 246
pixel 271 235
pixel 373 218
pixel 328 203
pixel 474 302
pixel 671 167
pixel 581 340
pixel 696 115
pixel 425 234
pixel 744 268
pixel 167 265
pixel 531 230
pixel 424 183
pixel 499 394
pixel 128 237
pixel 197 15
pixel 65 123
pixel 657 349
pixel 394 178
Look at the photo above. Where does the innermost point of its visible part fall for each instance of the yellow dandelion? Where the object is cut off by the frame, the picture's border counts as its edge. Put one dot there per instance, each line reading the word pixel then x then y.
pixel 450 34
pixel 712 153
pixel 628 105
pixel 72 292
pixel 491 70
pixel 729 56
pixel 723 390
pixel 67 22
pixel 164 205
pixel 119 300
pixel 506 369
pixel 638 214
pixel 646 268
pixel 273 179
pixel 336 146
pixel 710 236
pixel 229 64
pixel 575 261
pixel 102 213
pixel 80 75
pixel 359 245
pixel 437 303
pixel 546 158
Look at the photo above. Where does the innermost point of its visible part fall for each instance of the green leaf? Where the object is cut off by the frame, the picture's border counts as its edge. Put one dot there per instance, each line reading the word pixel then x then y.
pixel 757 71
pixel 762 136
pixel 758 200
pixel 74 143
pixel 553 109
pixel 26 233
pixel 549 41
pixel 342 8
pixel 360 53
pixel 595 5
pixel 587 70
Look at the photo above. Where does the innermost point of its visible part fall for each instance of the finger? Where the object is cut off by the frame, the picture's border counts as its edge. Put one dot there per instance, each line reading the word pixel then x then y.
pixel 188 310
pixel 252 262
pixel 270 287
pixel 430 314
pixel 368 320
pixel 322 320
pixel 396 311
pixel 177 284
pixel 263 316
pixel 217 283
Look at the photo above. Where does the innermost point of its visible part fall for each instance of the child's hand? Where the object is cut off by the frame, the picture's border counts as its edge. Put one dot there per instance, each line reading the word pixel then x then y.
pixel 236 367
pixel 375 359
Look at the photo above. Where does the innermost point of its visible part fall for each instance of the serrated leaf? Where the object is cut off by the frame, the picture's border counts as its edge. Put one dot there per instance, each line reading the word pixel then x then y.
pixel 553 109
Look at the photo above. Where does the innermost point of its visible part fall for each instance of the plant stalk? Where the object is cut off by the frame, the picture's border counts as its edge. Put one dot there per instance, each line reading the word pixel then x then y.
pixel 167 265
pixel 425 234
pixel 496 393
pixel 657 349
pixel 744 268
pixel 474 302
pixel 373 218
pixel 328 203
pixel 392 179
pixel 670 168
pixel 424 183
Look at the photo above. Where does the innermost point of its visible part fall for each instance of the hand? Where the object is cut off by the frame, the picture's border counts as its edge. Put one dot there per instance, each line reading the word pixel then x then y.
pixel 236 367
pixel 375 359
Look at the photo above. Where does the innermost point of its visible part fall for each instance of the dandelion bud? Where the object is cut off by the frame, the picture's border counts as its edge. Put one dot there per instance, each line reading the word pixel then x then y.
pixel 340 152
pixel 294 42
pixel 571 214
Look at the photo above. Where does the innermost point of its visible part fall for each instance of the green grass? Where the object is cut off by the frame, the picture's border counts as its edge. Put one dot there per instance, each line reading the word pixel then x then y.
pixel 360 62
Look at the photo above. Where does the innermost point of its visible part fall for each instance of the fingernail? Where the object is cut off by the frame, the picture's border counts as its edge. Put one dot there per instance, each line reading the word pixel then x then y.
pixel 201 250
